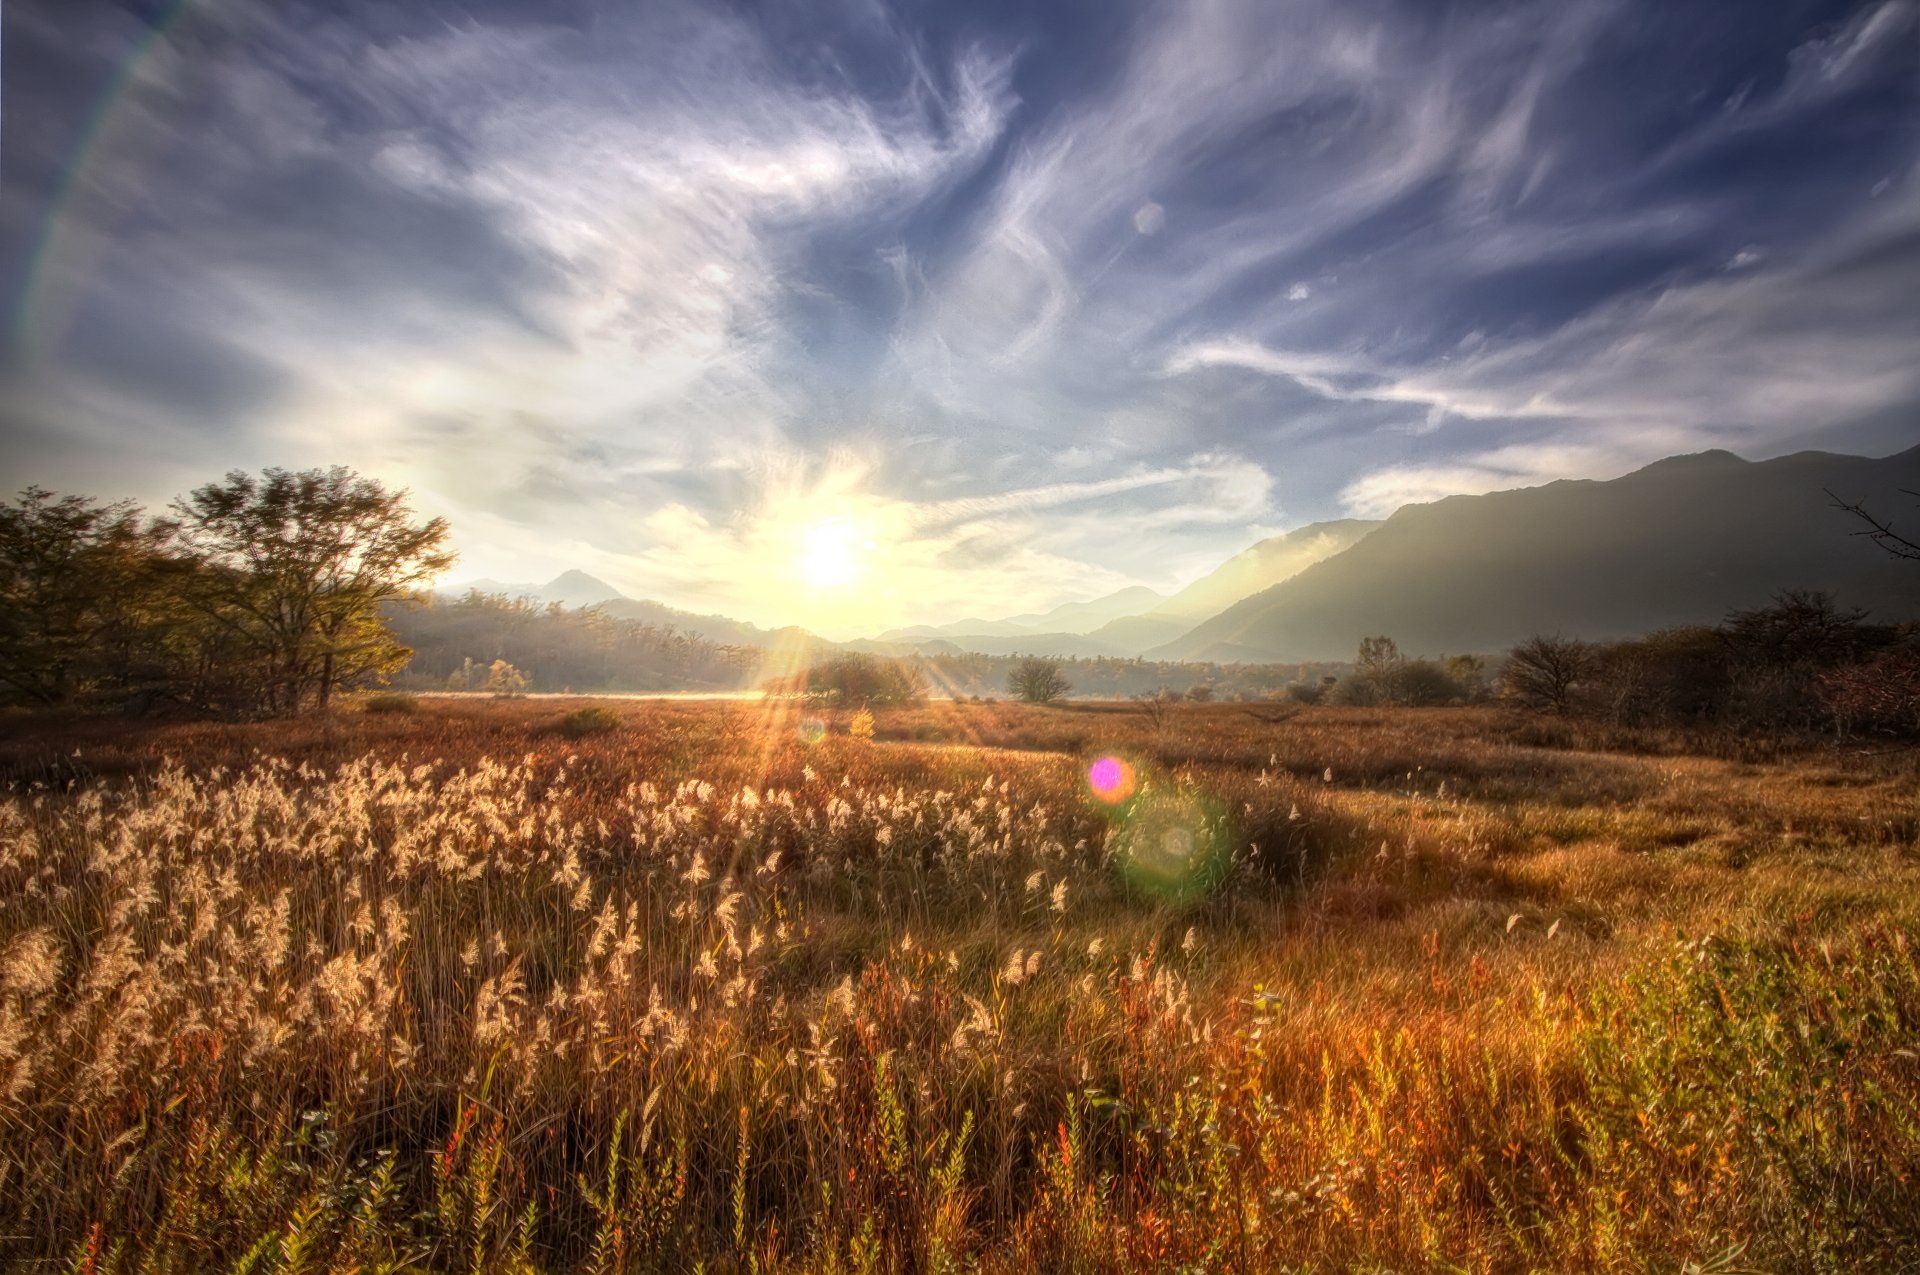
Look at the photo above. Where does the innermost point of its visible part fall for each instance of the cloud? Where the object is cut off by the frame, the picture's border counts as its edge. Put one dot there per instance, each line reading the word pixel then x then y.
pixel 1047 305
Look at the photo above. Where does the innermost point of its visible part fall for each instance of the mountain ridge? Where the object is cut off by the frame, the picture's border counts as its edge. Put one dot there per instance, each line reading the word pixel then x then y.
pixel 1682 540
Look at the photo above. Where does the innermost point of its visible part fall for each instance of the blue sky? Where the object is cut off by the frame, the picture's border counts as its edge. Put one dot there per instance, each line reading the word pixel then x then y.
pixel 994 305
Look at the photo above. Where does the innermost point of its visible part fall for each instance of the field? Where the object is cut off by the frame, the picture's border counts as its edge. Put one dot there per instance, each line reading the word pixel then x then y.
pixel 459 986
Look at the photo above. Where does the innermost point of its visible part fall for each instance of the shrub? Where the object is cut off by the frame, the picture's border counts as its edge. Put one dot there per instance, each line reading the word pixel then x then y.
pixel 390 702
pixel 588 721
pixel 1881 696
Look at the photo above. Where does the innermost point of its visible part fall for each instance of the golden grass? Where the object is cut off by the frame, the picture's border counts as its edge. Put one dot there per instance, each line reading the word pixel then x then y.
pixel 450 989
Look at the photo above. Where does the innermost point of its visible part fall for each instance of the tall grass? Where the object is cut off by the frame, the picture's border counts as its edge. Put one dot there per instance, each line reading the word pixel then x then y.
pixel 698 994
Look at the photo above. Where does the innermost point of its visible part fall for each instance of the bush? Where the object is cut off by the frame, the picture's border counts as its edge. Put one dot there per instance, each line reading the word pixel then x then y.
pixel 588 721
pixel 390 702
pixel 1881 696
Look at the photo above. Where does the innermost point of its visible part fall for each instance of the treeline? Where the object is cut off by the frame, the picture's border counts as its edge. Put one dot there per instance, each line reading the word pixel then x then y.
pixel 1803 664
pixel 250 596
pixel 1106 677
pixel 554 648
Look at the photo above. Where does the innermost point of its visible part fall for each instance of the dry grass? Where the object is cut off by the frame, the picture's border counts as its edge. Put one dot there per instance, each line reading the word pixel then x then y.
pixel 450 989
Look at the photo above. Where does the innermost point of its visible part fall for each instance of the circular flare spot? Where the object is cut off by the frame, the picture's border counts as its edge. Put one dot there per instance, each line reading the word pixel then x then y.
pixel 1111 780
pixel 812 730
pixel 1173 848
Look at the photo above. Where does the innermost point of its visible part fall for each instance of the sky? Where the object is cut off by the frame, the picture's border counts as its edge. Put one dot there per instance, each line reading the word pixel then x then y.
pixel 856 314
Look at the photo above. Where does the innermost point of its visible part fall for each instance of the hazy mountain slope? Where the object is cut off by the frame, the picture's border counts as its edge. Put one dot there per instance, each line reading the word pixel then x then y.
pixel 1084 617
pixel 1067 618
pixel 1053 644
pixel 714 628
pixel 569 589
pixel 577 589
pixel 1262 566
pixel 1681 541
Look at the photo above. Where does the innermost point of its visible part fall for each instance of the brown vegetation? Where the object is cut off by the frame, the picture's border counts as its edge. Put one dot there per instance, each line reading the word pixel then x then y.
pixel 451 988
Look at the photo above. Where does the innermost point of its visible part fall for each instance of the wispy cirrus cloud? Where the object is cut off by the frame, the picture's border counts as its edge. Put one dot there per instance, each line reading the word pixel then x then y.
pixel 1050 301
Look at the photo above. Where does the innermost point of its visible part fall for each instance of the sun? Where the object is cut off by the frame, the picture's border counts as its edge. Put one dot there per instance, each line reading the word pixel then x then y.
pixel 830 554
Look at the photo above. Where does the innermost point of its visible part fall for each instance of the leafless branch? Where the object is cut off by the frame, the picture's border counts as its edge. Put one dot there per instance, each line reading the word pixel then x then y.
pixel 1881 533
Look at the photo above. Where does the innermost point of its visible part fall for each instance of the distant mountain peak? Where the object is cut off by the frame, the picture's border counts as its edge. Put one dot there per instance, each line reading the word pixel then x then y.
pixel 1694 462
pixel 578 589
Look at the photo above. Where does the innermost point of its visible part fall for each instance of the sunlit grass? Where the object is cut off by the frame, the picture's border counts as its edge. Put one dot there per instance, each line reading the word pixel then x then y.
pixel 466 988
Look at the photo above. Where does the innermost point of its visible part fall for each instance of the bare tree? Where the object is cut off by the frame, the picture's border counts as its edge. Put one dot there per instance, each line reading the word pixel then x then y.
pixel 1543 671
pixel 1881 533
pixel 1038 680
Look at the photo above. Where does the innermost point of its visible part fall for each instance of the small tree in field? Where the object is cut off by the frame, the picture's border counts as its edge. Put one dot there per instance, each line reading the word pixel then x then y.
pixel 504 680
pixel 1036 680
pixel 1542 671
pixel 850 678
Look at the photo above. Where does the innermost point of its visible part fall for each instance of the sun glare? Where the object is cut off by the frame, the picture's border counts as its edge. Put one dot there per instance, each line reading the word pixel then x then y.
pixel 830 554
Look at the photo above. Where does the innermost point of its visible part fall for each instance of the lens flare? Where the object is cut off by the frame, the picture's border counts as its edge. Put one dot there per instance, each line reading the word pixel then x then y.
pixel 811 731
pixel 1174 847
pixel 1111 780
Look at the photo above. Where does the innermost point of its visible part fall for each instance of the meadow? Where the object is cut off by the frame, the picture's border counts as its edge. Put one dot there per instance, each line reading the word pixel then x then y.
pixel 490 986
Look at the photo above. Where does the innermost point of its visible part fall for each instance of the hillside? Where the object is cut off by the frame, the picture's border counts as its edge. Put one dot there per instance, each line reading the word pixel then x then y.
pixel 1684 540
pixel 1262 566
pixel 1067 618
pixel 573 589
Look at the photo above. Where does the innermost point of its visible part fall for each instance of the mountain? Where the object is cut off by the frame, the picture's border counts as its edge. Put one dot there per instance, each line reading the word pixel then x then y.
pixel 1085 617
pixel 574 589
pixel 578 589
pixel 1067 618
pixel 1267 563
pixel 1682 541
pixel 569 589
pixel 714 628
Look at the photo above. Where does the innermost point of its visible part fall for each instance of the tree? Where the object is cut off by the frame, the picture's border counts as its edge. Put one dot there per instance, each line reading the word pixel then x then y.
pixel 1375 677
pixel 1802 627
pixel 295 567
pixel 1037 680
pixel 1377 655
pixel 853 678
pixel 77 593
pixel 1542 671
pixel 1881 533
pixel 504 680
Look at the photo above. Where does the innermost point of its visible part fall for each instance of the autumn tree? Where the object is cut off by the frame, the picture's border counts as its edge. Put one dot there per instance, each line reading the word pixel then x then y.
pixel 295 567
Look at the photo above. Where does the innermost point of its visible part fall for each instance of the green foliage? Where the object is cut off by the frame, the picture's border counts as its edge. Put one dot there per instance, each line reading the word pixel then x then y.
pixel 85 607
pixel 262 596
pixel 295 568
